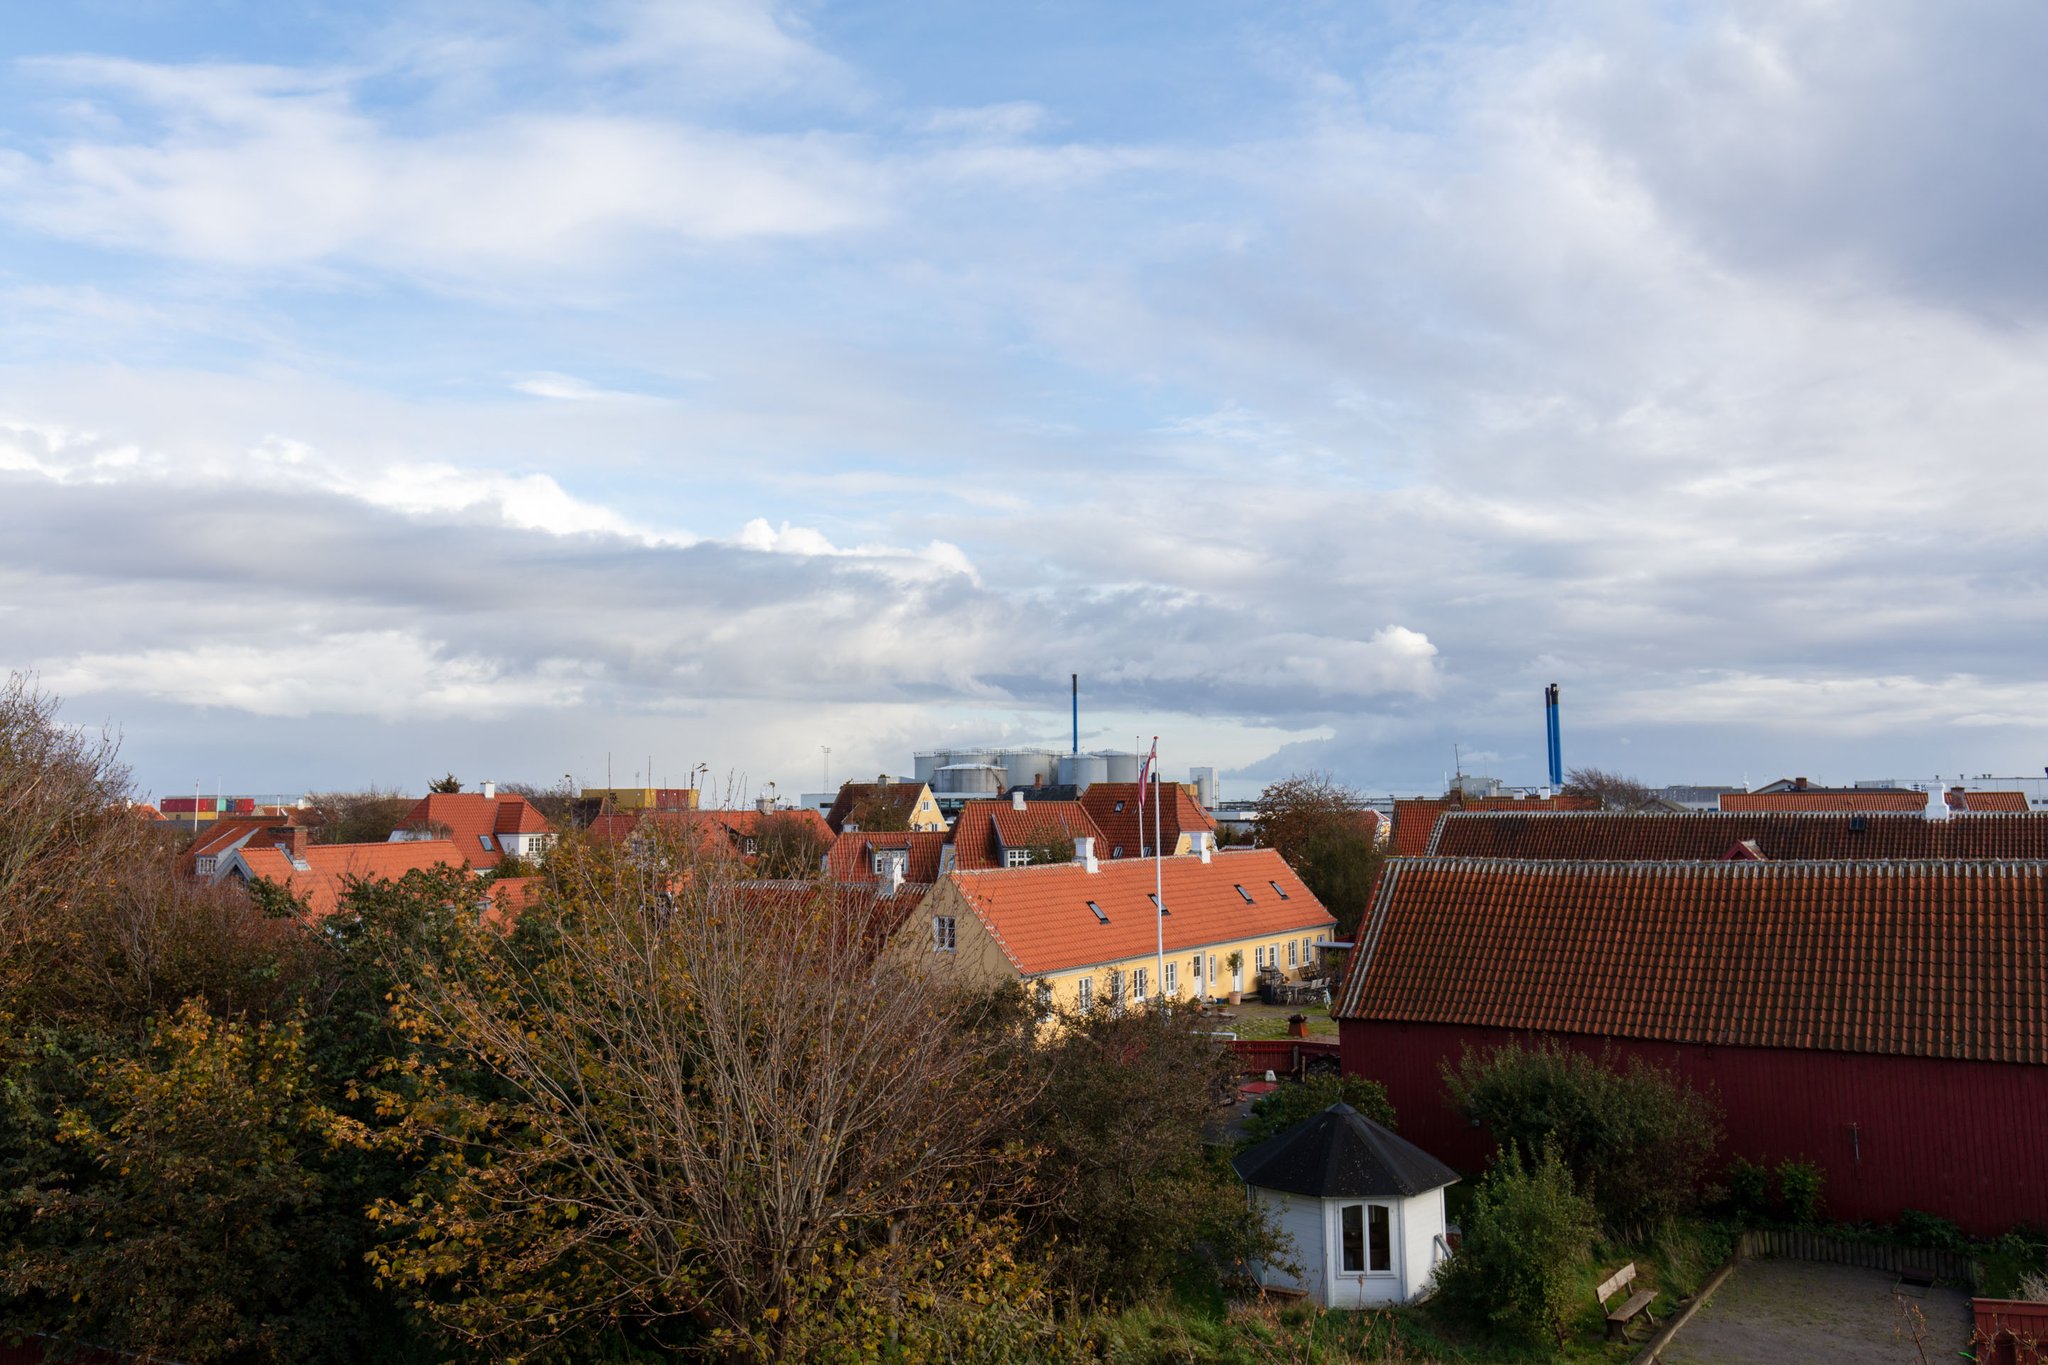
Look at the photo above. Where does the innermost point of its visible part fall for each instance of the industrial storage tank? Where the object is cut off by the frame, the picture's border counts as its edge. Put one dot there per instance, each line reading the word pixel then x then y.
pixel 1205 786
pixel 926 765
pixel 1083 770
pixel 969 779
pixel 1123 767
pixel 1030 767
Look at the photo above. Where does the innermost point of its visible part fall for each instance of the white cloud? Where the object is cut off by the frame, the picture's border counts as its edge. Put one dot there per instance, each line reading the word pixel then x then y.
pixel 569 389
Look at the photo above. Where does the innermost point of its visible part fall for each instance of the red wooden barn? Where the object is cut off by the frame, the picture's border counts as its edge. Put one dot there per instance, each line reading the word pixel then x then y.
pixel 1885 1020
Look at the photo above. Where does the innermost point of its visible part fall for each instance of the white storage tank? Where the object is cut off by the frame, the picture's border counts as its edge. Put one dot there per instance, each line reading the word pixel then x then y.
pixel 1123 767
pixel 926 766
pixel 1030 767
pixel 1083 770
pixel 969 779
pixel 1205 786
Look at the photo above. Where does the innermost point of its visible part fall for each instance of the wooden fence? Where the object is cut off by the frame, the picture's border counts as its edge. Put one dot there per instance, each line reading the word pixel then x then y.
pixel 2010 1332
pixel 1800 1244
pixel 1281 1056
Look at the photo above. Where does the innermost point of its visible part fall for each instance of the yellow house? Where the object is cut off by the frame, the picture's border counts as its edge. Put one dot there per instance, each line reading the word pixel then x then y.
pixel 644 798
pixel 1087 932
pixel 913 801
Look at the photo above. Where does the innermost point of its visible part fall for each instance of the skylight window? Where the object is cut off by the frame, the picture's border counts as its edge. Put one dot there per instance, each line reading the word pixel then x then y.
pixel 1279 890
pixel 1100 918
pixel 1153 896
pixel 1247 896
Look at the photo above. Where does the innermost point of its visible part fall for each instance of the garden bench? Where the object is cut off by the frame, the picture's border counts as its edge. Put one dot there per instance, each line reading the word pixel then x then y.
pixel 1638 1303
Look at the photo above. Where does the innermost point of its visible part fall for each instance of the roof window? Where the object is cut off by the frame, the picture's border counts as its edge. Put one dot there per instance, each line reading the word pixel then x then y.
pixel 1153 896
pixel 1100 918
pixel 1247 895
pixel 1278 890
pixel 1119 808
pixel 485 840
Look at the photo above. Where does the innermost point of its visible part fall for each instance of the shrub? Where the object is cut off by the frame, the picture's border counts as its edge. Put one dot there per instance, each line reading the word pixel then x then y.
pixel 1638 1137
pixel 1290 1104
pixel 1749 1186
pixel 1799 1185
pixel 1930 1230
pixel 1527 1235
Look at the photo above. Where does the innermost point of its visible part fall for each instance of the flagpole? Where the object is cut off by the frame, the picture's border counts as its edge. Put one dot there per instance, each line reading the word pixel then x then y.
pixel 1158 867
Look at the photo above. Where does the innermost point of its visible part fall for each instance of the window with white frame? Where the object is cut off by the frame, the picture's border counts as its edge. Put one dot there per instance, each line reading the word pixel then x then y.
pixel 1293 953
pixel 1172 978
pixel 1016 857
pixel 1259 957
pixel 1212 966
pixel 1195 969
pixel 206 865
pixel 1367 1239
pixel 1043 994
pixel 942 933
pixel 1138 983
pixel 1084 993
pixel 1116 991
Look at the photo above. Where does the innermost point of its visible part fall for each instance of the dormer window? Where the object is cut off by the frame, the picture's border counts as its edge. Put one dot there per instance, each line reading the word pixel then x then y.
pixel 1016 857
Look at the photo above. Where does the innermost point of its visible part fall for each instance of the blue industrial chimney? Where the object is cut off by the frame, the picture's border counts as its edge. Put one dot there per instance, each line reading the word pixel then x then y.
pixel 1556 742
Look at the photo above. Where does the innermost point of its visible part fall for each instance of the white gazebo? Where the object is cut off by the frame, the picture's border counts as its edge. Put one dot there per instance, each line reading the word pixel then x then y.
pixel 1365 1209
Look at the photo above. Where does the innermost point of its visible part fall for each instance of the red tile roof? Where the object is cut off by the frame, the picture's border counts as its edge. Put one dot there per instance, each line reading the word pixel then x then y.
pixel 871 913
pixel 1040 918
pixel 1833 798
pixel 1611 836
pixel 474 821
pixel 331 867
pixel 1924 959
pixel 1415 818
pixel 227 834
pixel 1960 799
pixel 983 829
pixel 1121 828
pixel 852 857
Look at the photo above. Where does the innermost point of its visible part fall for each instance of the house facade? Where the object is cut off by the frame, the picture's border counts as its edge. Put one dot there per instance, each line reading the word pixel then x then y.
pixel 1087 933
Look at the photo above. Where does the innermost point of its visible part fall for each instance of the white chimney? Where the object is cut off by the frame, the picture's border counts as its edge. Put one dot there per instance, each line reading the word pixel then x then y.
pixel 490 790
pixel 1937 802
pixel 1084 852
pixel 1202 841
pixel 1016 798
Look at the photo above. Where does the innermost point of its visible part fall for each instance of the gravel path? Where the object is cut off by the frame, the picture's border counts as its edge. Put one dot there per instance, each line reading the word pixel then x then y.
pixel 1773 1312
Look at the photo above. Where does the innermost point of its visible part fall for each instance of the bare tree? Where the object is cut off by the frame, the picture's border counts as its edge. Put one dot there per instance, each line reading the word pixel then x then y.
pixel 700 1107
pixel 1611 790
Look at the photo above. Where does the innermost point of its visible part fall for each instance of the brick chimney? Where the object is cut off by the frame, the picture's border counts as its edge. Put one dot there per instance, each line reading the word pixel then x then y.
pixel 290 838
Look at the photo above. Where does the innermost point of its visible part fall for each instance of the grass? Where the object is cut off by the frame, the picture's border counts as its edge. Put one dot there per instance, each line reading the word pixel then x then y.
pixel 1255 1020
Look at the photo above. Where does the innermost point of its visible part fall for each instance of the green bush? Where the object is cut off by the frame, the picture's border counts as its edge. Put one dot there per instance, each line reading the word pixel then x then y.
pixel 1290 1104
pixel 1799 1185
pixel 1930 1230
pixel 1749 1187
pixel 1637 1137
pixel 1527 1236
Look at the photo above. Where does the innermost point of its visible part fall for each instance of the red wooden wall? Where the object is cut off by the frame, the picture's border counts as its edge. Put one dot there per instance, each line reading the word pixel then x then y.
pixel 1965 1140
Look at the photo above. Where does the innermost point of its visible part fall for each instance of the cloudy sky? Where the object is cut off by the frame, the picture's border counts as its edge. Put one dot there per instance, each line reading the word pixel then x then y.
pixel 496 386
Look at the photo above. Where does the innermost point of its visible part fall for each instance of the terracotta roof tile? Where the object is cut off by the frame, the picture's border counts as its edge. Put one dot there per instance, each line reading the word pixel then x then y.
pixel 852 856
pixel 1831 798
pixel 331 867
pixel 1114 806
pixel 1930 959
pixel 1040 915
pixel 983 829
pixel 474 821
pixel 1415 818
pixel 2011 802
pixel 1609 836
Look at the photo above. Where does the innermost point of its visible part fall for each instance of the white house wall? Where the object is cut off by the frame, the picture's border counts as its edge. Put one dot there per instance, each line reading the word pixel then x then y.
pixel 1422 1218
pixel 1300 1220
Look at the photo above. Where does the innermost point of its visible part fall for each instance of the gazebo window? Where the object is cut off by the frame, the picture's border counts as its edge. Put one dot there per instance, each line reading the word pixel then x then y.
pixel 1368 1238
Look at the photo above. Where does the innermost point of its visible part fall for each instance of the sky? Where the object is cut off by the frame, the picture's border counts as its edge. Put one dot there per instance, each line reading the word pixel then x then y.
pixel 530 390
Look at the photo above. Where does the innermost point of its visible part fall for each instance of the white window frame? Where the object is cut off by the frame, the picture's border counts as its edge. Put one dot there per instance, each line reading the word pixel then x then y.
pixel 1293 953
pixel 1084 994
pixel 206 864
pixel 1259 958
pixel 1116 993
pixel 1139 980
pixel 945 934
pixel 1365 1266
pixel 1172 977
pixel 1016 857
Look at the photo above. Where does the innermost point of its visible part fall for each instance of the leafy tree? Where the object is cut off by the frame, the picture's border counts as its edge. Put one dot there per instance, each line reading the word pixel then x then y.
pixel 880 811
pixel 1610 791
pixel 198 1160
pixel 1637 1137
pixel 560 803
pixel 1324 832
pixel 1526 1236
pixel 717 1122
pixel 445 786
pixel 1049 848
pixel 1291 1104
pixel 1133 1197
